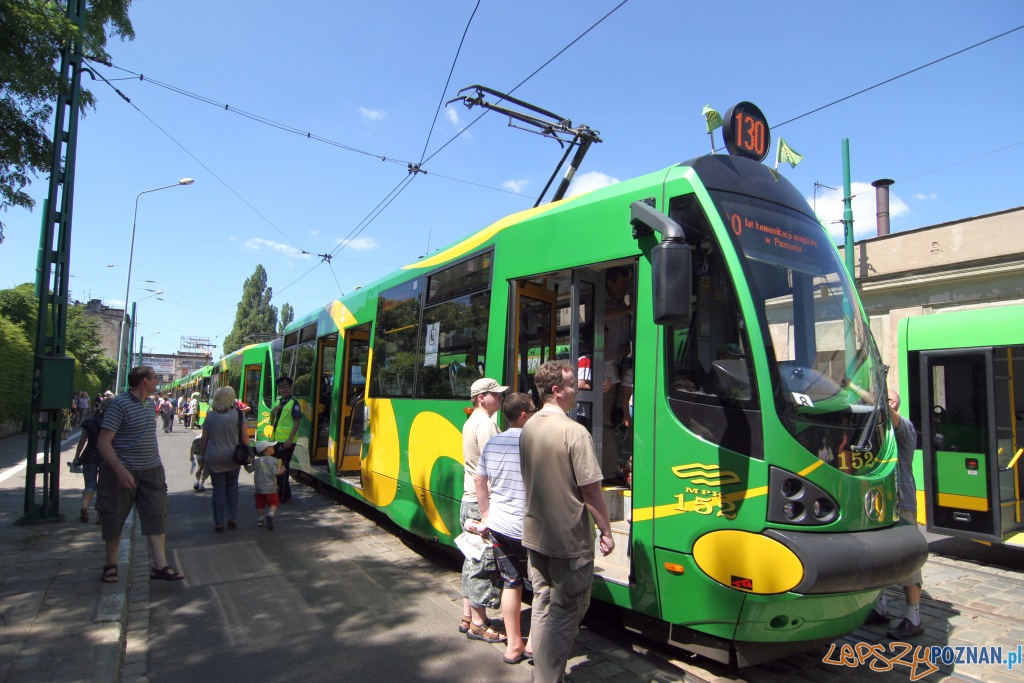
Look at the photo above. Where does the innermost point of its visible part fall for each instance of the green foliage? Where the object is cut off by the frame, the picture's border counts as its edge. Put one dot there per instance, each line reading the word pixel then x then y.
pixel 21 307
pixel 34 33
pixel 16 364
pixel 255 316
pixel 287 316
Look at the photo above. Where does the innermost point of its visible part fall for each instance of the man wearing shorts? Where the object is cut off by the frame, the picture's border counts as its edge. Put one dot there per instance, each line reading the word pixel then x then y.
pixel 499 492
pixel 134 475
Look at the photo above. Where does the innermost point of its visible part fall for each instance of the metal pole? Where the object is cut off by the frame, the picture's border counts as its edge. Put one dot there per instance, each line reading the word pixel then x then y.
pixel 122 372
pixel 848 211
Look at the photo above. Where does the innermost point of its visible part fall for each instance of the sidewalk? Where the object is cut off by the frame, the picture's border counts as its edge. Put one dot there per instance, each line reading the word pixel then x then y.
pixel 58 622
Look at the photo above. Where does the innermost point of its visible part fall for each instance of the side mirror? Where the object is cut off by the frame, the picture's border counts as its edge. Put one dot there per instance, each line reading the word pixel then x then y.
pixel 670 264
pixel 671 283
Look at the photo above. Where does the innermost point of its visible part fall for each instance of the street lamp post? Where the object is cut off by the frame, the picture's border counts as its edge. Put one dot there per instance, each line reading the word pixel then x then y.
pixel 142 341
pixel 121 370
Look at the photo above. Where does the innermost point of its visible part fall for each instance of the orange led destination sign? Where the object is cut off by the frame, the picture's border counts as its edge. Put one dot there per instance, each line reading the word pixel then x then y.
pixel 745 132
pixel 749 229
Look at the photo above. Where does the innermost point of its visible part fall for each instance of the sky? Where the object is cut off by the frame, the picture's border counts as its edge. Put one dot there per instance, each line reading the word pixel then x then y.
pixel 364 80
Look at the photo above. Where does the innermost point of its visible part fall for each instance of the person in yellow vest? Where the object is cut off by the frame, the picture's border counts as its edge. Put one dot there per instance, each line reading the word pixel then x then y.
pixel 285 417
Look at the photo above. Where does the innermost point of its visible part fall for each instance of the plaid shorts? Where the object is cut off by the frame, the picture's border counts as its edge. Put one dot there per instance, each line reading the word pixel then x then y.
pixel 510 555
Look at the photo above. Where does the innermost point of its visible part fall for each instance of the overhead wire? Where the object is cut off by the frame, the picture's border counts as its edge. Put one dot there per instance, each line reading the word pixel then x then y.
pixel 444 90
pixel 905 73
pixel 207 168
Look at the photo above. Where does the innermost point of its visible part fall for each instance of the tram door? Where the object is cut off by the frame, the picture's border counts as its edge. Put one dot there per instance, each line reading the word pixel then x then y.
pixel 533 343
pixel 969 442
pixel 558 316
pixel 251 397
pixel 353 393
pixel 319 454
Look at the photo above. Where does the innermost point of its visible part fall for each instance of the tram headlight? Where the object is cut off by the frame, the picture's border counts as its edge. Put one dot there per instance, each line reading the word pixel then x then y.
pixel 795 500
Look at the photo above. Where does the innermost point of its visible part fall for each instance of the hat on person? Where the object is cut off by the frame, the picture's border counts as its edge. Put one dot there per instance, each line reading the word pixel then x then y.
pixel 486 384
pixel 284 379
pixel 108 392
pixel 263 445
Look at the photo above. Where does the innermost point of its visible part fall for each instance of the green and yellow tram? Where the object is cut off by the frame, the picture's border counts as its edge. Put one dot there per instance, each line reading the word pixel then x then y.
pixel 250 371
pixel 762 516
pixel 962 379
pixel 197 384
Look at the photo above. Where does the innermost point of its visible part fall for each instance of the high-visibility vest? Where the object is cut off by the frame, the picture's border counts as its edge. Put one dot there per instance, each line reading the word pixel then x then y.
pixel 285 422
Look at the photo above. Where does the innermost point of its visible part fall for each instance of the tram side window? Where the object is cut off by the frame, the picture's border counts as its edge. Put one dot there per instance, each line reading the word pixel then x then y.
pixel 454 332
pixel 394 345
pixel 710 375
pixel 297 362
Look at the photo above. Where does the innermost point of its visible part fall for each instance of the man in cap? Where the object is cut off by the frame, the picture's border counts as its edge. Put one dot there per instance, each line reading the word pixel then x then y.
pixel 479 577
pixel 285 417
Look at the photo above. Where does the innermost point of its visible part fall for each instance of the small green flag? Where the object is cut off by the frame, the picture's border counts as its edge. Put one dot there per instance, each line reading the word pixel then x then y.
pixel 787 155
pixel 712 119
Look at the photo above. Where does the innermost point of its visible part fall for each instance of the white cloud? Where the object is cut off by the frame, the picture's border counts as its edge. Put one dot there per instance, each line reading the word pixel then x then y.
pixel 516 186
pixel 359 243
pixel 233 239
pixel 453 115
pixel 314 232
pixel 258 244
pixel 585 182
pixel 373 114
pixel 829 208
pixel 922 197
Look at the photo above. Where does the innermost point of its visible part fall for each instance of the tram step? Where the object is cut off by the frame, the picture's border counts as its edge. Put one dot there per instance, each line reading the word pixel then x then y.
pixel 619 556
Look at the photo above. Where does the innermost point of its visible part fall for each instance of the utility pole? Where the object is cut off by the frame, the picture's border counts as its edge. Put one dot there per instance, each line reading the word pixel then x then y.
pixel 53 372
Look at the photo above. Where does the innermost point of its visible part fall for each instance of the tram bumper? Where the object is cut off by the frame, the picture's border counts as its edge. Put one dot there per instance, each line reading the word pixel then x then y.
pixel 850 562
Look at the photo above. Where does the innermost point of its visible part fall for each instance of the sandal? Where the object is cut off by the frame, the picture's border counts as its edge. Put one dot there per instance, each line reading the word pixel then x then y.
pixel 486 634
pixel 232 524
pixel 83 516
pixel 109 574
pixel 166 574
pixel 466 622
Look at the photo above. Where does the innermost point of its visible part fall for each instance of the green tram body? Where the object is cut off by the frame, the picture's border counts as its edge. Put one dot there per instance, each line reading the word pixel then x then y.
pixel 756 526
pixel 962 383
pixel 198 382
pixel 251 372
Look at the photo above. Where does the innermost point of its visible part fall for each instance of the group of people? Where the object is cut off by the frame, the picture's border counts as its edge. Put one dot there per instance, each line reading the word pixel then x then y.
pixel 534 492
pixel 120 458
pixel 213 453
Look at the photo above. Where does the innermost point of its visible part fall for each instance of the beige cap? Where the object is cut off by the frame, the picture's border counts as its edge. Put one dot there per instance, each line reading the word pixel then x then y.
pixel 486 384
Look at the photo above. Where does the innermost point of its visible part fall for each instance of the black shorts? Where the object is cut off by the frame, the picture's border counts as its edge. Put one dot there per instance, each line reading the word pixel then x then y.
pixel 510 556
pixel 149 497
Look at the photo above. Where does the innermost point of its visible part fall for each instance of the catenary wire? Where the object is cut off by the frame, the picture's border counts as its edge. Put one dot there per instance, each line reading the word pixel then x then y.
pixel 444 90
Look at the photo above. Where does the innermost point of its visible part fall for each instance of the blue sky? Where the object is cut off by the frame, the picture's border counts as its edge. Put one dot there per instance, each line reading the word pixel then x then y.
pixel 370 76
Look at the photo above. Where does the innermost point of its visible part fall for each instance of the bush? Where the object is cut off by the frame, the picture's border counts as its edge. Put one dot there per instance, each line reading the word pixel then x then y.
pixel 16 364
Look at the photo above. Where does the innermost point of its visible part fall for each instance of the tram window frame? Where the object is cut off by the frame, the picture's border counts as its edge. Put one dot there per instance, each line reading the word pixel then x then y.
pixel 267 391
pixel 706 391
pixel 463 285
pixel 394 379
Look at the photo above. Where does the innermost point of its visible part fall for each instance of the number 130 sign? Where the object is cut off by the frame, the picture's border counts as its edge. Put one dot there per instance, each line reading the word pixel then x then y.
pixel 746 133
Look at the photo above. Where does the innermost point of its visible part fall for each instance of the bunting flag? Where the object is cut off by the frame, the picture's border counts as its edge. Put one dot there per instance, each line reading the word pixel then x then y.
pixel 712 119
pixel 786 154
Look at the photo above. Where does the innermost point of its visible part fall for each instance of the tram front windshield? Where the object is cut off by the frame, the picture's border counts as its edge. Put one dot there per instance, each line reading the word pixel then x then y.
pixel 827 377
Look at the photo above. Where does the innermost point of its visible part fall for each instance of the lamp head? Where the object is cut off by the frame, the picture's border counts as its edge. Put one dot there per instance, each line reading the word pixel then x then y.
pixel 186 181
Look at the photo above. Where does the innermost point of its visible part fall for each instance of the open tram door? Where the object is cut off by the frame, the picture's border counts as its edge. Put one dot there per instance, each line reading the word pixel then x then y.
pixel 323 391
pixel 556 317
pixel 971 453
pixel 353 402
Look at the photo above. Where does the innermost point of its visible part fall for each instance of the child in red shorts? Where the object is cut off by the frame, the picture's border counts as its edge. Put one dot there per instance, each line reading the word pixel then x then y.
pixel 268 468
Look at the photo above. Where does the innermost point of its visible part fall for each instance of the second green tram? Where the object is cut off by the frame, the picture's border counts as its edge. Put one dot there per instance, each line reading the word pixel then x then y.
pixel 251 372
pixel 762 514
pixel 962 380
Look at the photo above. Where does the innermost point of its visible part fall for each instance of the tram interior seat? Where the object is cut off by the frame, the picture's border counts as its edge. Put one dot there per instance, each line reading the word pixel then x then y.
pixel 730 379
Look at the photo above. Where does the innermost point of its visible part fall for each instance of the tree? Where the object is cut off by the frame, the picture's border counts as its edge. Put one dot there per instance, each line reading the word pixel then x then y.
pixel 287 316
pixel 34 33
pixel 255 317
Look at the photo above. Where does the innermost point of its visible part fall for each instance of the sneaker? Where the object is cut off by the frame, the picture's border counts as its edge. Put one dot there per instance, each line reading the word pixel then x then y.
pixel 876 618
pixel 202 488
pixel 195 486
pixel 259 523
pixel 270 523
pixel 905 630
